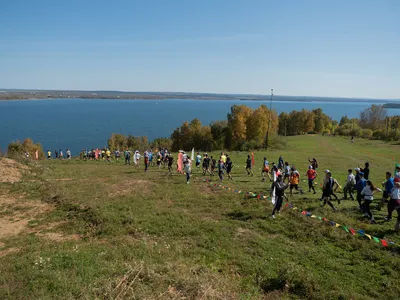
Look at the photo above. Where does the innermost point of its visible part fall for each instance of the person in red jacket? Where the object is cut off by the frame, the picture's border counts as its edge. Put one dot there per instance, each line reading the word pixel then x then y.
pixel 311 175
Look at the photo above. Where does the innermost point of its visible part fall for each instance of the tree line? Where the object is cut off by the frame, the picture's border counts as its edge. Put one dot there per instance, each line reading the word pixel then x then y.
pixel 122 142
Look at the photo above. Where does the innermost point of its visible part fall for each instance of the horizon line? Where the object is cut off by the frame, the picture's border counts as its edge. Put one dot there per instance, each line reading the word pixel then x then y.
pixel 193 93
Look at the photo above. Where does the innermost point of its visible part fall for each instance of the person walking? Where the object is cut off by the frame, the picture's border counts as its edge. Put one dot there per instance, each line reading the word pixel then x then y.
pixel 146 160
pixel 223 157
pixel 108 154
pixel 365 170
pixel 360 185
pixel 311 175
pixel 280 162
pixel 265 170
pixel 221 168
pixel 279 187
pixel 198 161
pixel 188 169
pixel 295 181
pixel 249 166
pixel 368 194
pixel 286 172
pixel 327 190
pixel 117 155
pixel 387 188
pixel 394 204
pixel 170 162
pixel 349 187
pixel 127 157
pixel 206 164
pixel 229 166
pixel 313 163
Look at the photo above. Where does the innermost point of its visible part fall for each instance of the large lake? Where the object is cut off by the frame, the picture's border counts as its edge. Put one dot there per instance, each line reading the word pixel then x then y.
pixel 78 123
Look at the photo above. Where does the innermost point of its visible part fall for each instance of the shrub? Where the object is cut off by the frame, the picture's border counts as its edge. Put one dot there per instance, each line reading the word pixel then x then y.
pixel 17 149
pixel 366 133
pixel 379 135
pixel 278 142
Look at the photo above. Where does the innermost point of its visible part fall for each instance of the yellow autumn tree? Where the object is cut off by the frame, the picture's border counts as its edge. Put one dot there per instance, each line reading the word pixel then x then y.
pixel 237 121
pixel 257 125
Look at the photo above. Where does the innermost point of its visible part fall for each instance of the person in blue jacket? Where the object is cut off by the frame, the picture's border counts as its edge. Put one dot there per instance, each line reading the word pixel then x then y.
pixel 388 185
pixel 360 185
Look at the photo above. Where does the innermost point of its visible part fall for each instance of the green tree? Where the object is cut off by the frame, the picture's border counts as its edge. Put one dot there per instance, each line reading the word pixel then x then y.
pixel 373 117
pixel 219 131
pixel 344 120
pixel 283 123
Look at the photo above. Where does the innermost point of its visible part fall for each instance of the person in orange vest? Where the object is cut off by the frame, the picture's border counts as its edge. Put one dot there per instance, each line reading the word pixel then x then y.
pixel 295 181
pixel 311 175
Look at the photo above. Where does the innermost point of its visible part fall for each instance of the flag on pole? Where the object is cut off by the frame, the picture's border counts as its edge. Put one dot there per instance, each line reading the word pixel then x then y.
pixel 192 157
pixel 180 162
pixel 37 155
pixel 252 159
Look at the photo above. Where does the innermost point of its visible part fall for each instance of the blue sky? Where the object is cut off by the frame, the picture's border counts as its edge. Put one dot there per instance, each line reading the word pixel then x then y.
pixel 335 48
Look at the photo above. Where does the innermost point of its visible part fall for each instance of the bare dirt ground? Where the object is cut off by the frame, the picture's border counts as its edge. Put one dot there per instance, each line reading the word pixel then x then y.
pixel 17 213
pixel 10 170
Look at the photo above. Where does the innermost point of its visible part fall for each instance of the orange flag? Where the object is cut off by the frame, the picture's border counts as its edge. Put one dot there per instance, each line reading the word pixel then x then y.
pixel 37 155
pixel 180 163
pixel 252 159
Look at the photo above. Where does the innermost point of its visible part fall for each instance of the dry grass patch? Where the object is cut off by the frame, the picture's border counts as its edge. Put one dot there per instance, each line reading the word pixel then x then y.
pixel 58 237
pixel 9 251
pixel 187 283
pixel 130 187
pixel 49 232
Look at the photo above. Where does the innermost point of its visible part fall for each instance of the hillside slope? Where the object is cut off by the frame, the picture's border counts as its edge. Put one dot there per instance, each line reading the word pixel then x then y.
pixel 110 231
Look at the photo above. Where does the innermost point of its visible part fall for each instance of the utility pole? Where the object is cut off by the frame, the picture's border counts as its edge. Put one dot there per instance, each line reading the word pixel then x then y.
pixel 270 116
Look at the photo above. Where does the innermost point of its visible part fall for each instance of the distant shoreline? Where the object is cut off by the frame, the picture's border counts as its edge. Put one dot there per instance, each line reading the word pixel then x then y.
pixel 14 95
pixel 392 105
pixel 385 105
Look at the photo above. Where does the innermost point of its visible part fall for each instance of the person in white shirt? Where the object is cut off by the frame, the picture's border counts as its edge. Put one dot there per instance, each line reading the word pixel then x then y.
pixel 198 160
pixel 394 204
pixel 188 169
pixel 137 158
pixel 368 193
pixel 350 183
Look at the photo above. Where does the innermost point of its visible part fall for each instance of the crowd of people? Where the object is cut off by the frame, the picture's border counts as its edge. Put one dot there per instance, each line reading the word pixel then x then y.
pixel 285 176
pixel 358 184
pixel 282 176
pixel 58 154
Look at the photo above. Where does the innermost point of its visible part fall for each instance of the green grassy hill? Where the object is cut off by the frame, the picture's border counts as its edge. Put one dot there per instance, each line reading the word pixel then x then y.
pixel 74 229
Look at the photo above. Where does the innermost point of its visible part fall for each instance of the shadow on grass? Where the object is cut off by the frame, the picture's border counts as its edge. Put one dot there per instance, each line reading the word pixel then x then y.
pixel 238 215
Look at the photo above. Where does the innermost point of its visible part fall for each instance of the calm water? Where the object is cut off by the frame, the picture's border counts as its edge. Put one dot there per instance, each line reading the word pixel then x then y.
pixel 78 124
